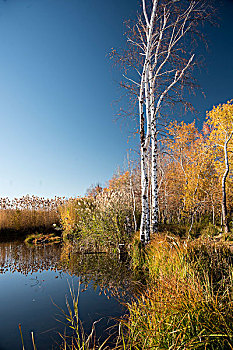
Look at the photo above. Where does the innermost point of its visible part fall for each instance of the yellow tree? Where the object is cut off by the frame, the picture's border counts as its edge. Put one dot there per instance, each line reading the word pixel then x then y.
pixel 220 120
pixel 181 148
pixel 188 148
pixel 171 185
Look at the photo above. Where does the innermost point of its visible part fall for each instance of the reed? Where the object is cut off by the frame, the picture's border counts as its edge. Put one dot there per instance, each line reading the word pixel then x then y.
pixel 29 214
pixel 186 302
pixel 78 340
pixel 32 336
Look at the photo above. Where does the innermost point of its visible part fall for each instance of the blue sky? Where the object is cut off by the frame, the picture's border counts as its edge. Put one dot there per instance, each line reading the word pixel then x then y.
pixel 57 134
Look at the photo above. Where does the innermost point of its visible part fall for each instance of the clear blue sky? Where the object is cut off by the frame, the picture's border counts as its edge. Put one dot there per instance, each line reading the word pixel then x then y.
pixel 57 134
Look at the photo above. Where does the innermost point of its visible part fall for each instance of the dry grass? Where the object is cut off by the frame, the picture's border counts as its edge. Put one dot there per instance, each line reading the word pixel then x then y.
pixel 28 214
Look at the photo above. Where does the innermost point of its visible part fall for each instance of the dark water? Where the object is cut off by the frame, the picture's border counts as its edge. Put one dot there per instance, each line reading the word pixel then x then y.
pixel 34 282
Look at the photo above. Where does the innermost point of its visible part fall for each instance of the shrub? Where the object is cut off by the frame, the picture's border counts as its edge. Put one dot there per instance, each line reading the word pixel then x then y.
pixel 100 222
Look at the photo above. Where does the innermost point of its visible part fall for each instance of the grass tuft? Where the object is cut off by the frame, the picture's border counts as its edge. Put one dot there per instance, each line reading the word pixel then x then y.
pixel 183 307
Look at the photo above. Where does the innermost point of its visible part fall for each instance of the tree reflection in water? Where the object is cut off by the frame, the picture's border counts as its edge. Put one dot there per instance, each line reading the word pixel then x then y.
pixel 105 271
pixel 45 269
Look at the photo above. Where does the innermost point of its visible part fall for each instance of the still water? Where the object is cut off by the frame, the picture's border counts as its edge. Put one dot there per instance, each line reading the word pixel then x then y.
pixel 34 283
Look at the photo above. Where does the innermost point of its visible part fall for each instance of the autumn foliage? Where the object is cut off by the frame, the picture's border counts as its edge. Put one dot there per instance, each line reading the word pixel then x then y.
pixel 192 167
pixel 194 184
pixel 104 218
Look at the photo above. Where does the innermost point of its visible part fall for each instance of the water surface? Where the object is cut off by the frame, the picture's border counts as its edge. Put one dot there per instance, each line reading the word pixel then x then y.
pixel 34 282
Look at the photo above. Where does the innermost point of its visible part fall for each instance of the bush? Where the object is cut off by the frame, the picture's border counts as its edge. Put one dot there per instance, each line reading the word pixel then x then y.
pixel 100 222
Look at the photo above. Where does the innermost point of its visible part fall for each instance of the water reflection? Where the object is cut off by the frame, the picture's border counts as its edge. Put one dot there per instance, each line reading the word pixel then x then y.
pixel 31 275
pixel 103 270
pixel 17 256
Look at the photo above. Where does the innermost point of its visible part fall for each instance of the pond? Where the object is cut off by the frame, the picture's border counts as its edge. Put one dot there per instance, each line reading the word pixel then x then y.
pixel 34 283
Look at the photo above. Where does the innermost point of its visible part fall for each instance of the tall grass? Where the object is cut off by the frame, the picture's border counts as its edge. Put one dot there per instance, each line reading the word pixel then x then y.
pixel 182 308
pixel 186 302
pixel 28 214
pixel 22 341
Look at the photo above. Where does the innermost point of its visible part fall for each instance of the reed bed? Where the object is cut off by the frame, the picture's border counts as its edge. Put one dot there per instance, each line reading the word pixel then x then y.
pixel 100 222
pixel 29 214
pixel 186 302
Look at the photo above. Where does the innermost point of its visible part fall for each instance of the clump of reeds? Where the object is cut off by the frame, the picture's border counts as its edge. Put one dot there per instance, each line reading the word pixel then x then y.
pixel 213 262
pixel 78 340
pixel 29 213
pixel 179 309
pixel 37 239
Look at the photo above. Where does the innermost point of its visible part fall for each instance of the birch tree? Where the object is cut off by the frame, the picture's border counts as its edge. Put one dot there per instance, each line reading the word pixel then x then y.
pixel 158 63
pixel 221 121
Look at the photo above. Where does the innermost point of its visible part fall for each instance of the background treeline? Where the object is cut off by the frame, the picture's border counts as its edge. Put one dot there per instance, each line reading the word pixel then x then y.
pixel 195 174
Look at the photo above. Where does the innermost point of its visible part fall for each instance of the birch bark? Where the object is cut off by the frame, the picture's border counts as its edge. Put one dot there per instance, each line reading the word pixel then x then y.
pixel 224 202
pixel 145 136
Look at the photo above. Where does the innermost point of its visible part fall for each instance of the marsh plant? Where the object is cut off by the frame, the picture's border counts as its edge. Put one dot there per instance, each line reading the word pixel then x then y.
pixel 184 306
pixel 186 302
pixel 29 213
pixel 99 222
pixel 77 339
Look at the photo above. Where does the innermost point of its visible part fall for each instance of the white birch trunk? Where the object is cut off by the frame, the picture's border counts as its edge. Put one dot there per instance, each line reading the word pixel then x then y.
pixel 145 140
pixel 154 159
pixel 224 204
pixel 154 180
pixel 145 223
